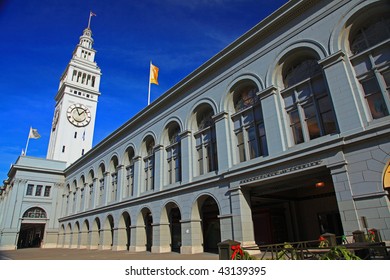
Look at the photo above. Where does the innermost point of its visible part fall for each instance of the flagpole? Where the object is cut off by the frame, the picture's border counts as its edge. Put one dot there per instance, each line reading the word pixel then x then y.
pixel 28 140
pixel 150 76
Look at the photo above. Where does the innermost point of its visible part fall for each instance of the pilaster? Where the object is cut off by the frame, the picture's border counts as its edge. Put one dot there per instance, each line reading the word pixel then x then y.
pixel 224 145
pixel 274 130
pixel 186 156
pixel 158 167
pixel 345 103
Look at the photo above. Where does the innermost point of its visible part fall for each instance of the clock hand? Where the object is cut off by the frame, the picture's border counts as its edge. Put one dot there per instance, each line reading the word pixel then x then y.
pixel 82 112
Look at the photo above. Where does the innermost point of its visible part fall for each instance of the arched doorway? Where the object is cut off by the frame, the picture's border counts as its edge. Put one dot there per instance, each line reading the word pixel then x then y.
pixel 32 228
pixel 211 229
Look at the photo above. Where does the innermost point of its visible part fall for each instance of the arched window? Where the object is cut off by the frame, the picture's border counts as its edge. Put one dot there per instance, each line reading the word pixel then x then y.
pixel 248 122
pixel 149 163
pixel 306 100
pixel 173 153
pixel 370 57
pixel 74 75
pixel 205 140
pixel 35 213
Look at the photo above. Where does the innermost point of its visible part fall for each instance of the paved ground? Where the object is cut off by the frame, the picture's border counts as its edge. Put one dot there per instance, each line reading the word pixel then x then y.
pixel 80 254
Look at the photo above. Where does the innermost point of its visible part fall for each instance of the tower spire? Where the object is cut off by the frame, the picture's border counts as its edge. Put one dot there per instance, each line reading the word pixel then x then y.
pixel 91 14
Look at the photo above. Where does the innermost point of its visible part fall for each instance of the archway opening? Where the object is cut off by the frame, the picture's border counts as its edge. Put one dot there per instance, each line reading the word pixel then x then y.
pixel 211 228
pixel 148 221
pixel 32 228
pixel 174 217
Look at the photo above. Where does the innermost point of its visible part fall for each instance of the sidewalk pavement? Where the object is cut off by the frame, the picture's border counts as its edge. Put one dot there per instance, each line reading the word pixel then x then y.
pixel 84 254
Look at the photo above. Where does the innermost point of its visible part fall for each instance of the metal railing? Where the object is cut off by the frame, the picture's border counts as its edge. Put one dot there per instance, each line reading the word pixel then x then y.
pixel 316 249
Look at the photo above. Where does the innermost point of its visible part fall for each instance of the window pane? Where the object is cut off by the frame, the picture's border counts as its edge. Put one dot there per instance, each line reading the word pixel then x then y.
pixel 288 100
pixel 47 191
pixel 311 122
pixel 29 189
pixel 198 140
pixel 294 117
pixel 247 118
pixel 362 65
pixel 38 190
pixel 237 123
pixel 382 55
pixel 324 104
pixel 258 113
pixel 386 77
pixel 200 161
pixel 377 106
pixel 328 122
pixel 303 92
pixel 240 146
pixel 296 127
pixel 252 143
pixel 319 86
pixel 370 86
pixel 375 99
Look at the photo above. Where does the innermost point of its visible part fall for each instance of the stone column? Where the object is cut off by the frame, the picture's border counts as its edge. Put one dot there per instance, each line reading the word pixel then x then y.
pixel 192 237
pixel 243 230
pixel 138 239
pixel 347 208
pixel 120 239
pixel 223 141
pixel 161 238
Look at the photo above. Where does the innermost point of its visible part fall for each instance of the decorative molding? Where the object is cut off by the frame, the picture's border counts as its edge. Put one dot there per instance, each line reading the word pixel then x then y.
pixel 332 59
pixel 267 92
pixel 281 171
pixel 185 133
pixel 220 116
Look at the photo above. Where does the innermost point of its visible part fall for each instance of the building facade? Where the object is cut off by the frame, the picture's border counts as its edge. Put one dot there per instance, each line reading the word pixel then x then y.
pixel 282 136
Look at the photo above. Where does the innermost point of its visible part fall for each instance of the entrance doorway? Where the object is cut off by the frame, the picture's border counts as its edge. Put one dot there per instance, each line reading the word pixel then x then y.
pixel 299 208
pixel 31 235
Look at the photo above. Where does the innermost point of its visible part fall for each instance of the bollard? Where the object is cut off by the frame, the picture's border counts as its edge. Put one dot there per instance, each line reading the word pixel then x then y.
pixel 331 238
pixel 224 249
pixel 358 236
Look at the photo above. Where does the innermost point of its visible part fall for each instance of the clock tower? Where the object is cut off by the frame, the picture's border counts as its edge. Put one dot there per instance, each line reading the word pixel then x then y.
pixel 76 101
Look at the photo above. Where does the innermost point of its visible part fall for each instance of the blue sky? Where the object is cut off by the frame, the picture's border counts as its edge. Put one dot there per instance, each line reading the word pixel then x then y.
pixel 37 38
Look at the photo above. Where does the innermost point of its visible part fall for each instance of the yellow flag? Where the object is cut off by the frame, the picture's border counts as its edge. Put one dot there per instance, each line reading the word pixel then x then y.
pixel 153 74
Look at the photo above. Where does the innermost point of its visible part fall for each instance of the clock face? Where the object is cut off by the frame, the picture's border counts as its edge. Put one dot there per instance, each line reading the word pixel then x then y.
pixel 78 115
